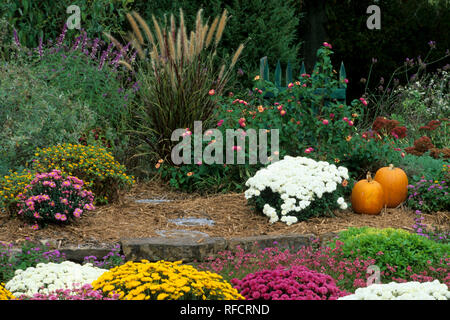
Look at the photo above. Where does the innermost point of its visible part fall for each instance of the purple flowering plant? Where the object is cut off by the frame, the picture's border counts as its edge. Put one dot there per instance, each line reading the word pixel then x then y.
pixel 54 198
pixel 431 232
pixel 29 255
pixel 113 259
pixel 429 196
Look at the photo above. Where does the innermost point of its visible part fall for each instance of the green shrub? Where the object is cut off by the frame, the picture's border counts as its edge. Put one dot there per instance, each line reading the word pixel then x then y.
pixel 401 21
pixel 11 186
pixel 393 247
pixel 94 165
pixel 29 255
pixel 107 88
pixel 429 196
pixel 44 19
pixel 424 167
pixel 35 115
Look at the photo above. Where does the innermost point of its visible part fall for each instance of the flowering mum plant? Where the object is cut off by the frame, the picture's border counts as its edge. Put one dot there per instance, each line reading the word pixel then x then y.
pixel 5 294
pixel 96 166
pixel 52 197
pixel 295 189
pixel 48 277
pixel 11 185
pixel 163 280
pixel 294 283
pixel 402 291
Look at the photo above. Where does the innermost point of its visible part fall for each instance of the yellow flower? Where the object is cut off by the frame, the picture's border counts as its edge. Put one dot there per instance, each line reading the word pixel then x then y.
pixel 256 78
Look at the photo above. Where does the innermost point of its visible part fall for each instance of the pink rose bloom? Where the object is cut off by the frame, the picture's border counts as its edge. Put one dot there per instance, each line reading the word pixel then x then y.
pixel 325 122
pixel 220 123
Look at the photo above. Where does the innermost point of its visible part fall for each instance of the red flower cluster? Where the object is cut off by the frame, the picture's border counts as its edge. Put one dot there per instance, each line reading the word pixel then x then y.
pixel 384 126
pixel 432 125
pixel 424 144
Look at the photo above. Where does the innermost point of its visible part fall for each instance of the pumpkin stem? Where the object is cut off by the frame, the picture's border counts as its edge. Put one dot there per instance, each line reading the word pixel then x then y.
pixel 369 177
pixel 391 166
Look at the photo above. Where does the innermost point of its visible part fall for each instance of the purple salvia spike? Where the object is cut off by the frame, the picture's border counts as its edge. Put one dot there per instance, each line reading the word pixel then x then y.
pixel 16 38
pixel 62 35
pixel 40 47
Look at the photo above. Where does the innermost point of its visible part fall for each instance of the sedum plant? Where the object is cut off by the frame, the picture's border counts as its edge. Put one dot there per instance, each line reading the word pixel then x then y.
pixel 177 71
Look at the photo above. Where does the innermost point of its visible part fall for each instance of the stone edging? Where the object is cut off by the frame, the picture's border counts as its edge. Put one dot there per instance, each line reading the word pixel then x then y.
pixel 189 249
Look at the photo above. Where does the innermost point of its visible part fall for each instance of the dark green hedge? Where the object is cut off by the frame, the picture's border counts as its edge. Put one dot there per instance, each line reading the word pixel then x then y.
pixel 267 27
pixel 406 29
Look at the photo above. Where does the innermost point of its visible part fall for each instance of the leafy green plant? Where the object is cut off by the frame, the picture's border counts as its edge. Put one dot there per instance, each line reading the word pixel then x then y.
pixel 84 72
pixel 34 114
pixel 29 255
pixel 11 185
pixel 424 167
pixel 429 196
pixel 44 19
pixel 405 251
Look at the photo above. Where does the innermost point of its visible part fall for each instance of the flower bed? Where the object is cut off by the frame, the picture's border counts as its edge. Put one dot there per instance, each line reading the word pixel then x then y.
pixel 402 291
pixel 49 277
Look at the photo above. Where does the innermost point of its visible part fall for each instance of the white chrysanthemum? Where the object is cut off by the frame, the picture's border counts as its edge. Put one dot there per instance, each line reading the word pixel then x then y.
pixel 298 181
pixel 47 277
pixel 402 291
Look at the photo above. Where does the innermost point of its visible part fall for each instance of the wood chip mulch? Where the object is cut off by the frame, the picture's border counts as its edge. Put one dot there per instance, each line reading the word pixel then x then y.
pixel 230 212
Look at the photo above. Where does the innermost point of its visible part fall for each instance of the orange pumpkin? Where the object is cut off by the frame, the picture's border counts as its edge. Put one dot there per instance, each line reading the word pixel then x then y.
pixel 395 185
pixel 367 196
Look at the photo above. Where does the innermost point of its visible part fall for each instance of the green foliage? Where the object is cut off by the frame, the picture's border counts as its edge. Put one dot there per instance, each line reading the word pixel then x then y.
pixel 393 247
pixel 44 19
pixel 106 91
pixel 429 196
pixel 401 21
pixel 34 114
pixel 29 255
pixel 267 27
pixel 361 155
pixel 11 186
pixel 424 167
